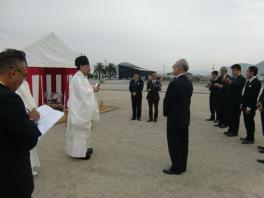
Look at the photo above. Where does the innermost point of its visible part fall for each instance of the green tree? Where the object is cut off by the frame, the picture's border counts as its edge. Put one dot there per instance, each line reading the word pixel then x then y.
pixel 99 69
pixel 110 69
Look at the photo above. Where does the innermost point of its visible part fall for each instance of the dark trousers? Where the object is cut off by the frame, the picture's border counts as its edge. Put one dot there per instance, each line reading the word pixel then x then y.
pixel 178 140
pixel 217 108
pixel 223 112
pixel 136 106
pixel 14 195
pixel 234 118
pixel 250 124
pixel 213 106
pixel 262 121
pixel 154 103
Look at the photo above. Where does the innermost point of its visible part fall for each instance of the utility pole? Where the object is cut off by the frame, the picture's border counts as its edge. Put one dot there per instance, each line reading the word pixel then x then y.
pixel 164 69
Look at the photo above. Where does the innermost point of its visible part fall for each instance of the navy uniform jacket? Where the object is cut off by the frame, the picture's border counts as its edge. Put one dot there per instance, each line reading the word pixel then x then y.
pixel 153 95
pixel 235 89
pixel 136 86
pixel 251 93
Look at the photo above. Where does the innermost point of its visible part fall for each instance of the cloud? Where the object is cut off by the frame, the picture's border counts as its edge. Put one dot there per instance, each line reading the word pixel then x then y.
pixel 151 33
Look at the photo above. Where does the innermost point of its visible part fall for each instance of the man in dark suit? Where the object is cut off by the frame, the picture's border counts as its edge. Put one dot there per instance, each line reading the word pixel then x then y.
pixel 261 109
pixel 176 108
pixel 236 86
pixel 136 87
pixel 18 134
pixel 249 103
pixel 153 88
pixel 223 98
pixel 213 97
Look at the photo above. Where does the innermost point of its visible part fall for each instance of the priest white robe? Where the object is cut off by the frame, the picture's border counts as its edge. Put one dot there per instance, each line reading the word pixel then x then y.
pixel 83 108
pixel 24 92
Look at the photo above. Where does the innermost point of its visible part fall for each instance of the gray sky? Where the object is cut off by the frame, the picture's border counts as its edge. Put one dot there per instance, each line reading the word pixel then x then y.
pixel 149 33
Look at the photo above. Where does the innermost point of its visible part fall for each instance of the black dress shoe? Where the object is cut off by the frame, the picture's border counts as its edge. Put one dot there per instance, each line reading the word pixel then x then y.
pixel 150 120
pixel 231 135
pixel 155 120
pixel 261 147
pixel 138 119
pixel 247 142
pixel 261 151
pixel 169 171
pixel 227 132
pixel 260 161
pixel 133 119
pixel 243 139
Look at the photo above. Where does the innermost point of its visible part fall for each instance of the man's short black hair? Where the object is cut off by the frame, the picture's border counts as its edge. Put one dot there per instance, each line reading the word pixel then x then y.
pixel 135 73
pixel 81 60
pixel 10 58
pixel 253 69
pixel 215 73
pixel 236 66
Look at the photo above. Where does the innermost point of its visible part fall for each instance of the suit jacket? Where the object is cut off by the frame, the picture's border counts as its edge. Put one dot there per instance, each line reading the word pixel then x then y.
pixel 18 135
pixel 176 106
pixel 214 91
pixel 261 98
pixel 224 89
pixel 153 95
pixel 235 90
pixel 251 93
pixel 136 86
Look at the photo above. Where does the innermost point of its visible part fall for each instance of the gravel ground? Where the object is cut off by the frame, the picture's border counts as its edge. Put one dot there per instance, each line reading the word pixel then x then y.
pixel 129 157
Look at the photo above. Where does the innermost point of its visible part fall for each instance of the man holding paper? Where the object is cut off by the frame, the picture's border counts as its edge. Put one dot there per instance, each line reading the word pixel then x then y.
pixel 83 108
pixel 24 92
pixel 18 134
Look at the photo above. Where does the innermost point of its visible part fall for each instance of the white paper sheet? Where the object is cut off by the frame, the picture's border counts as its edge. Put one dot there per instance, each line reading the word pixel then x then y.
pixel 48 118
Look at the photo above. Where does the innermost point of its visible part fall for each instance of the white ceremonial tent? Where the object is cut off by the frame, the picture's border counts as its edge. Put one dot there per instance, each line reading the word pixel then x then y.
pixel 50 65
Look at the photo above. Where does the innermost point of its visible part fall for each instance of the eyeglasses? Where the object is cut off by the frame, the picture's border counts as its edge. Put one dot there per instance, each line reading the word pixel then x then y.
pixel 19 71
pixel 24 74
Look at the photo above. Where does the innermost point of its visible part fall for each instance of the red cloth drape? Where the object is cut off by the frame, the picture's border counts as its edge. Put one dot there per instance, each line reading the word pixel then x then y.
pixel 43 72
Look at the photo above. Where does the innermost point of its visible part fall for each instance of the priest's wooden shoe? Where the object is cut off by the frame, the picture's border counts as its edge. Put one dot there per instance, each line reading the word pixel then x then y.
pixel 90 150
pixel 170 171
